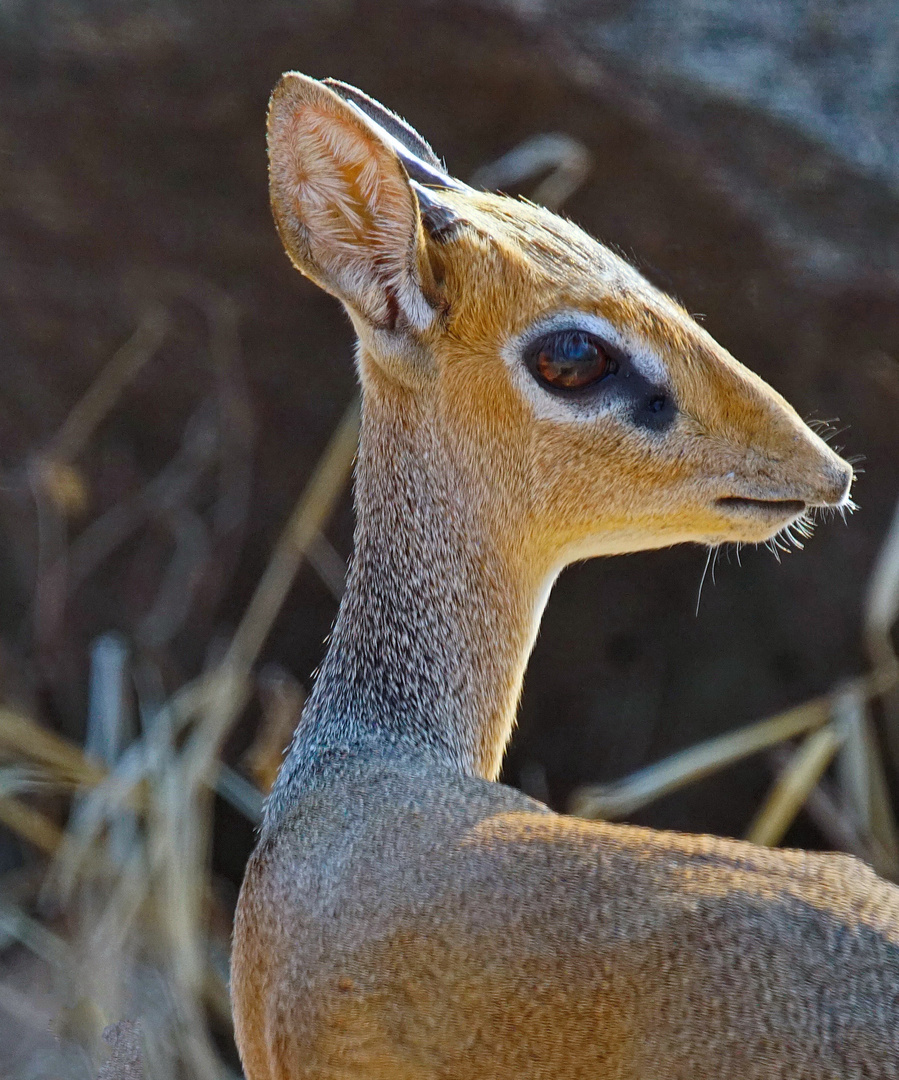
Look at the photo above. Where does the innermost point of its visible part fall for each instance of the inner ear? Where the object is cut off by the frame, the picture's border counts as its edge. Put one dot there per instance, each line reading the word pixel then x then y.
pixel 343 205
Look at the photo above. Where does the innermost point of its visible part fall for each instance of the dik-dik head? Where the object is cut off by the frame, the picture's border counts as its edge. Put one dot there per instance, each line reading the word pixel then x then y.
pixel 585 411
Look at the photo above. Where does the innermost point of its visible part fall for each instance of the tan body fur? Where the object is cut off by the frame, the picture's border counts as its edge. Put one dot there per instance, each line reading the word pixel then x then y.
pixel 403 915
pixel 412 923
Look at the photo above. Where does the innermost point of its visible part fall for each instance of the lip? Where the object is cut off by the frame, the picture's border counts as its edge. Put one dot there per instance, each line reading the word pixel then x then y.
pixel 768 509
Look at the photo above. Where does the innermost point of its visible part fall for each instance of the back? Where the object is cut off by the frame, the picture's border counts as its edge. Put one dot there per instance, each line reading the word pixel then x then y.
pixel 383 930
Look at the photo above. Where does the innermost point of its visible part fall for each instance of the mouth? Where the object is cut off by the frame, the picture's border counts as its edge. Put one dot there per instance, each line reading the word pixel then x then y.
pixel 767 509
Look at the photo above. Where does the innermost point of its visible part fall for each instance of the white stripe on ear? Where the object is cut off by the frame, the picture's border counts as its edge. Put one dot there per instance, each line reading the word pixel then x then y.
pixel 343 205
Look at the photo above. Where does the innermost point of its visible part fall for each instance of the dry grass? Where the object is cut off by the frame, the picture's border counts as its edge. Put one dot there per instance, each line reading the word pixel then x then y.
pixel 128 918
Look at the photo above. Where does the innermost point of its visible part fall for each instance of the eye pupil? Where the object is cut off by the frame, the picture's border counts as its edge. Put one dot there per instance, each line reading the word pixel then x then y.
pixel 571 360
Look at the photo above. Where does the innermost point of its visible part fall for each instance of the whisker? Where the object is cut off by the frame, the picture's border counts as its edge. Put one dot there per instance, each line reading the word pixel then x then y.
pixel 795 534
pixel 705 570
pixel 847 507
pixel 805 525
pixel 834 433
pixel 819 424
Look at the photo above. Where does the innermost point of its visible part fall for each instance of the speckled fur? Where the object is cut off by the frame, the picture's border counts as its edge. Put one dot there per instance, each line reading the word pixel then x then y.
pixel 403 915
pixel 406 921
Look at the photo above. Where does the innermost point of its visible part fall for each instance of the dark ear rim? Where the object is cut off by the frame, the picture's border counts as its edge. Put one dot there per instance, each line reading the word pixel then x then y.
pixel 395 125
pixel 415 152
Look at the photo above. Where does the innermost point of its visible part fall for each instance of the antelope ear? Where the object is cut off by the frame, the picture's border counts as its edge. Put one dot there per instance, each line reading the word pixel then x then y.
pixel 343 206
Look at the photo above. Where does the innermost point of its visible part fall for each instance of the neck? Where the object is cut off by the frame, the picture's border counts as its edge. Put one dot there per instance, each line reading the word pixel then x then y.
pixel 429 648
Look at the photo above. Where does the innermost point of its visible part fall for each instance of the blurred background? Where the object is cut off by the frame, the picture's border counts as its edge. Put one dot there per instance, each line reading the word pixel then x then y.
pixel 177 427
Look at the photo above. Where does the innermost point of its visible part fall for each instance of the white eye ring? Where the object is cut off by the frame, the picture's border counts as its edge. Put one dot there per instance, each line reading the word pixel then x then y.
pixel 549 404
pixel 644 358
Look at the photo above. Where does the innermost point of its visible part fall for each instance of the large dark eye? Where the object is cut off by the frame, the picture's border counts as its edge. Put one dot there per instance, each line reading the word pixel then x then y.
pixel 570 360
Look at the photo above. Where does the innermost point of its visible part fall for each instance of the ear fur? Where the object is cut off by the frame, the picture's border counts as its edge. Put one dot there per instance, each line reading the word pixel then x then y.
pixel 343 206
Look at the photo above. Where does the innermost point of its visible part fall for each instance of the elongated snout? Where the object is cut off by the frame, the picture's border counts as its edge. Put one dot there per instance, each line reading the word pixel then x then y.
pixel 779 467
pixel 793 462
pixel 813 475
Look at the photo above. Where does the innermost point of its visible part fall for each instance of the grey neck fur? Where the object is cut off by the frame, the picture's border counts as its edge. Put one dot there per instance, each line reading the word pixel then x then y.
pixel 428 651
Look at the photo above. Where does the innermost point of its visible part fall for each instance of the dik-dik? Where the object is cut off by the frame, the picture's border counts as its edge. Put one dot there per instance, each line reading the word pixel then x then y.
pixel 528 400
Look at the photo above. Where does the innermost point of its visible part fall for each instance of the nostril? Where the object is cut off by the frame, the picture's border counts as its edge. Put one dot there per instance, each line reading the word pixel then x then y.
pixel 840 476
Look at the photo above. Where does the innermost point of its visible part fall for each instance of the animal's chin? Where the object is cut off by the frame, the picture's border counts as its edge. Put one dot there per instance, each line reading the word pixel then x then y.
pixel 757 520
pixel 734 519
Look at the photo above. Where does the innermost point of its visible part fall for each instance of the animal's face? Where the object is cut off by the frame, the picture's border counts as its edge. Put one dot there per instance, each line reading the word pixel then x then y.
pixel 585 411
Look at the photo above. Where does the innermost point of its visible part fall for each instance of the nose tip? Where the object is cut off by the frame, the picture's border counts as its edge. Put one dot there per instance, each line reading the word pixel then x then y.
pixel 839 477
